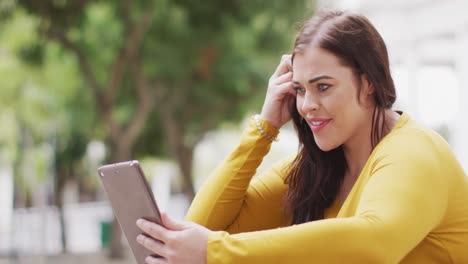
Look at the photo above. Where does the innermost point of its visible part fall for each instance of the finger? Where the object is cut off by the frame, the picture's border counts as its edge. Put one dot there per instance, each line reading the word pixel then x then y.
pixel 284 66
pixel 151 244
pixel 283 89
pixel 290 100
pixel 288 60
pixel 154 230
pixel 172 224
pixel 154 260
pixel 292 92
pixel 286 57
pixel 283 78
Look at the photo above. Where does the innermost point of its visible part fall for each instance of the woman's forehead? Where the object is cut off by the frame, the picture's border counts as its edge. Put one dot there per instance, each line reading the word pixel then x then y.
pixel 315 57
pixel 316 62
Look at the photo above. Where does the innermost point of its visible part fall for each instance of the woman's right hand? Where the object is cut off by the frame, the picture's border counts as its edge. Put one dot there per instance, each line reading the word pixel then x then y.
pixel 280 94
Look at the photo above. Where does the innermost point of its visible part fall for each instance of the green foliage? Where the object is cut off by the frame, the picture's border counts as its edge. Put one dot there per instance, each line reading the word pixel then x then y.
pixel 79 71
pixel 41 96
pixel 217 57
pixel 208 61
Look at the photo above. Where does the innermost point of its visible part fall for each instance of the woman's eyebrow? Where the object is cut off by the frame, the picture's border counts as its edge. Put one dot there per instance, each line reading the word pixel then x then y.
pixel 318 78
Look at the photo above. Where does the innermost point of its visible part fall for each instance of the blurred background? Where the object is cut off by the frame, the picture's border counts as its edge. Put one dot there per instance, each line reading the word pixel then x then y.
pixel 172 84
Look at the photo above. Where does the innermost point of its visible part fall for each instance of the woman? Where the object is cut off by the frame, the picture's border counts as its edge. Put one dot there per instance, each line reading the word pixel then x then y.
pixel 368 185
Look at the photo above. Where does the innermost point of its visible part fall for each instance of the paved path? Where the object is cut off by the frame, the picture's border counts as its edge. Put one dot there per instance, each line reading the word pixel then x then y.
pixel 95 258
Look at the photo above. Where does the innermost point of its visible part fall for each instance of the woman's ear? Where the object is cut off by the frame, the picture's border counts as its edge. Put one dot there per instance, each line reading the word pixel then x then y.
pixel 367 90
pixel 367 87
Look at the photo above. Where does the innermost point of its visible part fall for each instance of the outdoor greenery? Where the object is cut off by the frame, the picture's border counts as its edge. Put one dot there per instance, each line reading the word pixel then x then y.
pixel 147 77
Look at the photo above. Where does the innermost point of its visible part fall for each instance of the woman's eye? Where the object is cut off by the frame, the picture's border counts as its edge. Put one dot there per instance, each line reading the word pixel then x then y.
pixel 323 87
pixel 299 90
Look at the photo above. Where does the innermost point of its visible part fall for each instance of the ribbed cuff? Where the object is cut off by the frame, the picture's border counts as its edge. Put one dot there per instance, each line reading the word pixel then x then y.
pixel 269 129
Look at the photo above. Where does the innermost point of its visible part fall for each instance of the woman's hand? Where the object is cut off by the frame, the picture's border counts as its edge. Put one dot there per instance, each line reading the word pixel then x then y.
pixel 176 242
pixel 279 95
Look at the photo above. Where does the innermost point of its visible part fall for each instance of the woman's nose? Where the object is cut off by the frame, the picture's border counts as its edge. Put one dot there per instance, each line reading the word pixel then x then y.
pixel 310 103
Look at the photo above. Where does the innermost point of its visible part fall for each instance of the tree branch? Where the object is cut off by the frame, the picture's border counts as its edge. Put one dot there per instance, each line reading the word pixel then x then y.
pixel 181 152
pixel 124 8
pixel 208 124
pixel 145 96
pixel 59 36
pixel 103 103
pixel 145 105
pixel 105 97
pixel 129 50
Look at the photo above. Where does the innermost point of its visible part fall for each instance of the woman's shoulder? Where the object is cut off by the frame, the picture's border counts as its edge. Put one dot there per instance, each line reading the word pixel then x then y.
pixel 410 144
pixel 409 136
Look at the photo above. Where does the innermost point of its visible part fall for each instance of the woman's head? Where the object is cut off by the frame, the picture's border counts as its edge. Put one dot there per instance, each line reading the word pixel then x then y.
pixel 350 54
pixel 334 102
pixel 343 84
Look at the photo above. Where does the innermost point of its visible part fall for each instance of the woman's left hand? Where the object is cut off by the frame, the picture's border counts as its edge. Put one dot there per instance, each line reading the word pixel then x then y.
pixel 176 242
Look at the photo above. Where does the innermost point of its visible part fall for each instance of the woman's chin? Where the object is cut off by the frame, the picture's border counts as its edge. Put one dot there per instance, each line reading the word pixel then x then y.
pixel 325 145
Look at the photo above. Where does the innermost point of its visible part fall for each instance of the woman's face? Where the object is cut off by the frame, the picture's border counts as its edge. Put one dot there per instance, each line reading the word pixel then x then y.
pixel 327 99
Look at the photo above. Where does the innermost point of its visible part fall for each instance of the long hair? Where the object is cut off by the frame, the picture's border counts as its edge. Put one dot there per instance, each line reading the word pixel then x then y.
pixel 316 176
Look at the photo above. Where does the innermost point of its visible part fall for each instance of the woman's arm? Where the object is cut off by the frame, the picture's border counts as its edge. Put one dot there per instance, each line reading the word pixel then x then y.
pixel 403 201
pixel 221 198
pixel 263 206
pixel 219 201
pixel 226 201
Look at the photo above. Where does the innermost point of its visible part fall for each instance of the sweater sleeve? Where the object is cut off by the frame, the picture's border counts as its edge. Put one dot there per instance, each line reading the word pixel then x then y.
pixel 403 200
pixel 228 200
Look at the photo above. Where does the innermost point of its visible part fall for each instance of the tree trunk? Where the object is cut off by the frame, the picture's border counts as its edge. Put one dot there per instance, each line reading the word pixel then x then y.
pixel 122 137
pixel 185 161
pixel 19 199
pixel 180 151
pixel 63 226
pixel 58 197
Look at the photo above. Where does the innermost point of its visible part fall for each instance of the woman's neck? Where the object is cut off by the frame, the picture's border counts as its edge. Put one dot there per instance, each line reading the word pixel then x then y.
pixel 358 150
pixel 356 156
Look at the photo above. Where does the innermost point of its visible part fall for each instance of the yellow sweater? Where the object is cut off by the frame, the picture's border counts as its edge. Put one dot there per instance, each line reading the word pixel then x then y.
pixel 409 205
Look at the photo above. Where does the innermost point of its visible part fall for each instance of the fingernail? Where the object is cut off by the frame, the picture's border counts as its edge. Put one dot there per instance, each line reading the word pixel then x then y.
pixel 140 222
pixel 139 238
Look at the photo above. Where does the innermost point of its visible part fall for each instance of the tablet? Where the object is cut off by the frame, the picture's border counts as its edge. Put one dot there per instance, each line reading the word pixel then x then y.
pixel 131 198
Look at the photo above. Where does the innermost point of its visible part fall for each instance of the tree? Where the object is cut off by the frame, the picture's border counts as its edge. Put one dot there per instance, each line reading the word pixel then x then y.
pixel 176 67
pixel 41 107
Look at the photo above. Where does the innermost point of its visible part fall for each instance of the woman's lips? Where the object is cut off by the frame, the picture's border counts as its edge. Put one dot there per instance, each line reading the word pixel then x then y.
pixel 317 124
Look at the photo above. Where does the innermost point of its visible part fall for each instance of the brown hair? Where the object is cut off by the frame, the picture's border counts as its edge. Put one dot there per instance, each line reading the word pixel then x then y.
pixel 316 176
